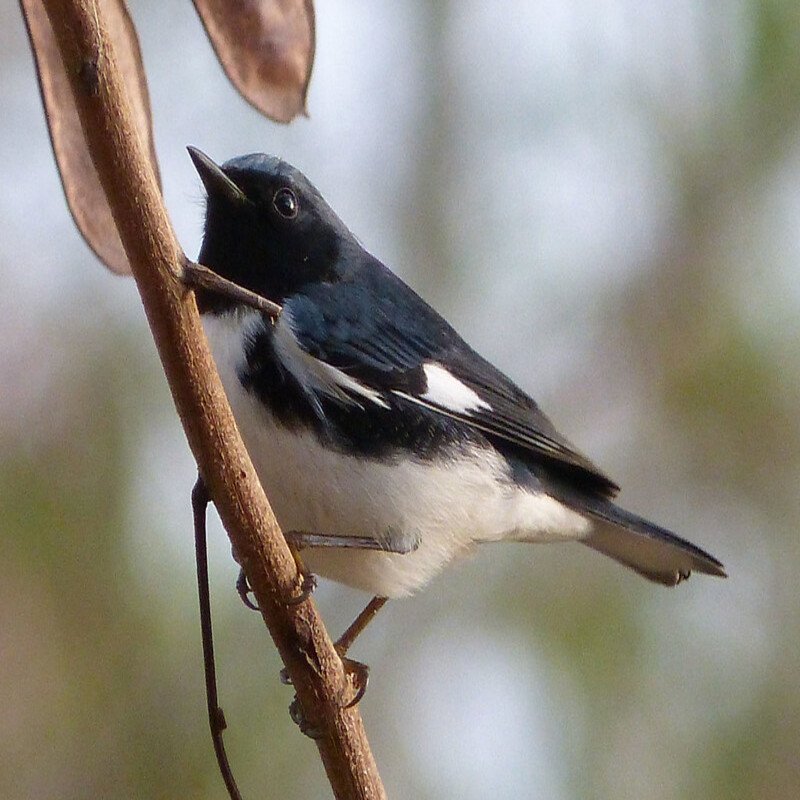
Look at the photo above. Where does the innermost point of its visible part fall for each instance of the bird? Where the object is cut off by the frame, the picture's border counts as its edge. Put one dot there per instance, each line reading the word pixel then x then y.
pixel 386 445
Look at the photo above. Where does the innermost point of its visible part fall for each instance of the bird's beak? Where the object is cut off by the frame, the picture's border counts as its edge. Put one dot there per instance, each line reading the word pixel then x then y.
pixel 217 183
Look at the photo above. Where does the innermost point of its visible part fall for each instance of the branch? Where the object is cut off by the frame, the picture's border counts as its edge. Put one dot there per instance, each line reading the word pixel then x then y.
pixel 199 277
pixel 157 263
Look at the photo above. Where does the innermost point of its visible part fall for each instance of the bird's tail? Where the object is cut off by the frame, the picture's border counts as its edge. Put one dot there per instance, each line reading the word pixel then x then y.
pixel 652 551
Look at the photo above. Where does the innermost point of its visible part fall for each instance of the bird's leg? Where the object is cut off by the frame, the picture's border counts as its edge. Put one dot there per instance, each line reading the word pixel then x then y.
pixel 357 669
pixel 388 544
pixel 345 641
pixel 298 540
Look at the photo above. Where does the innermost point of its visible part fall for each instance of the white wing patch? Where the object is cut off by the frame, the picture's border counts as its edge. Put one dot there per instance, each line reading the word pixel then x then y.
pixel 448 392
pixel 315 376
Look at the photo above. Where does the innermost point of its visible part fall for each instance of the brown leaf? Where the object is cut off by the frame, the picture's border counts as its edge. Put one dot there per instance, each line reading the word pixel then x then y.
pixel 266 48
pixel 85 196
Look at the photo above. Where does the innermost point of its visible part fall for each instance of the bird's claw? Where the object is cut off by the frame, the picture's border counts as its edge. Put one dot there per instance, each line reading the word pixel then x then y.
pixel 358 678
pixel 244 590
pixel 299 719
pixel 358 673
pixel 307 586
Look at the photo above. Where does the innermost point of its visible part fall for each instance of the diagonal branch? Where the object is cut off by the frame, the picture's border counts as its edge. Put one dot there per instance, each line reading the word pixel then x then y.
pixel 157 264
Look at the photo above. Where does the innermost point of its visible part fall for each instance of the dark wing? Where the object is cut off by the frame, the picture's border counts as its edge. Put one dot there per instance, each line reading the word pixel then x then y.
pixel 385 337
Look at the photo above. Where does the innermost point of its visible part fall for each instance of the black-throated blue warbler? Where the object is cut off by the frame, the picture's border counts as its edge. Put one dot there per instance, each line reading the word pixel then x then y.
pixel 386 445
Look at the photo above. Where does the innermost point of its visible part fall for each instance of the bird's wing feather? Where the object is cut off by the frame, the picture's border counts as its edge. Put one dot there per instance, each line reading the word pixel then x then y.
pixel 393 343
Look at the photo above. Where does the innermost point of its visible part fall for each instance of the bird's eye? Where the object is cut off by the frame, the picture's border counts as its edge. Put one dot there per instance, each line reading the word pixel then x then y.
pixel 285 202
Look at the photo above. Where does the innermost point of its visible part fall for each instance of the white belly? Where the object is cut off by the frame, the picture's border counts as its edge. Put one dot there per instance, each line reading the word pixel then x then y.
pixel 447 509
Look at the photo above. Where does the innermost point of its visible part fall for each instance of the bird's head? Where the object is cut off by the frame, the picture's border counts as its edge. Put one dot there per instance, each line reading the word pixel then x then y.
pixel 267 228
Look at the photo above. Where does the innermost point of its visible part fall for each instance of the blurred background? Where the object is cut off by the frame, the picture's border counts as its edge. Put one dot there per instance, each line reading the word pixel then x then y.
pixel 603 197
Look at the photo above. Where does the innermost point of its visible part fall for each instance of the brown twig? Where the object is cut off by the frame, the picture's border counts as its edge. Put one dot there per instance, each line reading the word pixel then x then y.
pixel 197 276
pixel 157 262
pixel 216 716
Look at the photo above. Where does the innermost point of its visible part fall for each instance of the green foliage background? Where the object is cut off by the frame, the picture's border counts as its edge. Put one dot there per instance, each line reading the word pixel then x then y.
pixel 522 673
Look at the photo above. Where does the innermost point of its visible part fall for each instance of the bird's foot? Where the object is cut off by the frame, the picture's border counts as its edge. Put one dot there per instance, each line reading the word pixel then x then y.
pixel 244 590
pixel 358 678
pixel 307 585
pixel 299 719
pixel 357 675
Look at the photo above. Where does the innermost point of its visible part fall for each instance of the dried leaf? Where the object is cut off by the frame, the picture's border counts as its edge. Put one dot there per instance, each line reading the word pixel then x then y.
pixel 266 48
pixel 85 196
